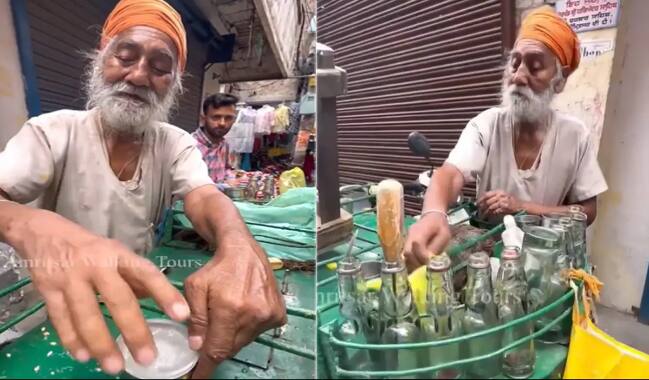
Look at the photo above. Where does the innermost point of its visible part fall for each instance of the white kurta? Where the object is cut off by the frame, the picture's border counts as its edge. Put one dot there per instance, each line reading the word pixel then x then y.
pixel 61 158
pixel 566 170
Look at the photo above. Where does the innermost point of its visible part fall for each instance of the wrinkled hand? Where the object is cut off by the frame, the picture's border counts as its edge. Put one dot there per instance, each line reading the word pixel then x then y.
pixel 69 264
pixel 429 236
pixel 233 299
pixel 498 202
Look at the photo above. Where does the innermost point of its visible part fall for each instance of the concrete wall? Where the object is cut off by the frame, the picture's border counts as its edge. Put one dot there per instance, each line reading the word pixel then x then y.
pixel 264 91
pixel 280 21
pixel 13 110
pixel 586 91
pixel 620 235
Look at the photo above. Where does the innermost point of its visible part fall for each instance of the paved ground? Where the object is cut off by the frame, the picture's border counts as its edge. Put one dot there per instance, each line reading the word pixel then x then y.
pixel 624 327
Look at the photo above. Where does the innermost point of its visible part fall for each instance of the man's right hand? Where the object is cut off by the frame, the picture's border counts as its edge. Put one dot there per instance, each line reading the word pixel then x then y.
pixel 69 265
pixel 429 236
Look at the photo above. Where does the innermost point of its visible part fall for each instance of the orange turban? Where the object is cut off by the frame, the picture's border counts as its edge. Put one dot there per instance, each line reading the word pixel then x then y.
pixel 545 25
pixel 155 14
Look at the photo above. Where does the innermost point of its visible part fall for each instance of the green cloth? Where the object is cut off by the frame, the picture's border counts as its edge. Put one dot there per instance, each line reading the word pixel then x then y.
pixel 285 227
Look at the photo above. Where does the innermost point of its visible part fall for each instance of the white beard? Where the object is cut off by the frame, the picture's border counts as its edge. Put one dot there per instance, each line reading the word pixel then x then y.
pixel 526 106
pixel 124 115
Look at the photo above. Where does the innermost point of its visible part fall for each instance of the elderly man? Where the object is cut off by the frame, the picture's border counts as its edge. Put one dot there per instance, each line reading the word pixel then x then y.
pixel 523 155
pixel 105 176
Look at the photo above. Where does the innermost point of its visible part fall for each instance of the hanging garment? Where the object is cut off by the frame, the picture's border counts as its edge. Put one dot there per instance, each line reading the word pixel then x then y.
pixel 282 115
pixel 264 120
pixel 242 135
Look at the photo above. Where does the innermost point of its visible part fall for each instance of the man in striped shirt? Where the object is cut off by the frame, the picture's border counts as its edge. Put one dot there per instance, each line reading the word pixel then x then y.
pixel 219 114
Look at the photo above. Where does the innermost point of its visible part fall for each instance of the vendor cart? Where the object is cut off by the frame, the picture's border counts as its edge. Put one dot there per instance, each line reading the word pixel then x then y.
pixel 550 358
pixel 287 352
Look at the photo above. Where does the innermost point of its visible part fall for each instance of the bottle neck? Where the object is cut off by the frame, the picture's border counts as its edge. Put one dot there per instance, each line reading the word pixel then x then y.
pixel 351 288
pixel 396 297
pixel 479 290
pixel 440 296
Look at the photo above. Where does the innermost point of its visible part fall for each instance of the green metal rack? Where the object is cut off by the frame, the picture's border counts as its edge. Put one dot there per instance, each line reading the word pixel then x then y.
pixel 550 357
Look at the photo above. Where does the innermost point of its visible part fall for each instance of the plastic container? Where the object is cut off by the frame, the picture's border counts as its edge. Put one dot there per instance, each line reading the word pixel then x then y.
pixel 175 359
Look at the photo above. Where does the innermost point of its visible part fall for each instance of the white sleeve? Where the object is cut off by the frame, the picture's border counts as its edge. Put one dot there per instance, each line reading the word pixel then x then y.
pixel 188 170
pixel 470 153
pixel 589 179
pixel 26 164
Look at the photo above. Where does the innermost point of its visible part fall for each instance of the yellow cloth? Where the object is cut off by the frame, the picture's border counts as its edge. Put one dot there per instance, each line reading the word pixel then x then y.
pixel 281 119
pixel 155 14
pixel 593 354
pixel 546 26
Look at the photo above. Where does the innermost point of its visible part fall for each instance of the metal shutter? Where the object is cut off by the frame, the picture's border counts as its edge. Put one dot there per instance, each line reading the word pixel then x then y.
pixel 62 30
pixel 412 65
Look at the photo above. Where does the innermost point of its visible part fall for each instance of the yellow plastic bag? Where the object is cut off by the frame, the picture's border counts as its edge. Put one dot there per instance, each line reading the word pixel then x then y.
pixel 291 179
pixel 593 354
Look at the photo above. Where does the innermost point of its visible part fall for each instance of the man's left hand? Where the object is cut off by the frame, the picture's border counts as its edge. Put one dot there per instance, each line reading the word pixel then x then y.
pixel 499 202
pixel 233 299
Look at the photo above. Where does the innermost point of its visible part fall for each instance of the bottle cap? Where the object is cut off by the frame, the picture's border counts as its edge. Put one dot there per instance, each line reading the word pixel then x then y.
pixel 439 263
pixel 511 253
pixel 479 260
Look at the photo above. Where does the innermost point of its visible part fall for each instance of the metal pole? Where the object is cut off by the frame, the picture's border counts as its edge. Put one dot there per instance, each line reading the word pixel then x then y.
pixel 331 82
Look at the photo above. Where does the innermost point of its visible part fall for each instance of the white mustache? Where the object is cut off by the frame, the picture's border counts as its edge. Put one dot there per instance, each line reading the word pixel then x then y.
pixel 143 93
pixel 524 91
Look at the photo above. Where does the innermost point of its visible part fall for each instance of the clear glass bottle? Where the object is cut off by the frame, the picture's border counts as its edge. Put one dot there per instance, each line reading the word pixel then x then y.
pixel 541 247
pixel 348 327
pixel 527 220
pixel 567 229
pixel 511 298
pixel 398 316
pixel 553 218
pixel 372 325
pixel 556 287
pixel 481 314
pixel 440 321
pixel 580 221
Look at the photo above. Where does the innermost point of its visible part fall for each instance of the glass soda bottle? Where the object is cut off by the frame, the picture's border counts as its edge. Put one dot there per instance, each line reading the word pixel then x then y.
pixel 398 316
pixel 440 321
pixel 558 284
pixel 348 327
pixel 481 314
pixel 511 299
pixel 580 223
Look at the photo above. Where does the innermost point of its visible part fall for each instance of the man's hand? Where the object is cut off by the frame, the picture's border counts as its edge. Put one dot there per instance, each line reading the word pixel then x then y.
pixel 233 299
pixel 69 265
pixel 498 202
pixel 429 236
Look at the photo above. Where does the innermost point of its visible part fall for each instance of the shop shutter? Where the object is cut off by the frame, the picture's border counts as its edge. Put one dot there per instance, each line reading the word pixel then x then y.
pixel 63 30
pixel 419 65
